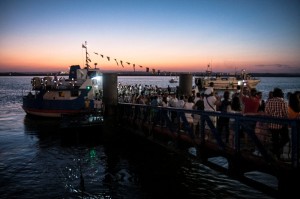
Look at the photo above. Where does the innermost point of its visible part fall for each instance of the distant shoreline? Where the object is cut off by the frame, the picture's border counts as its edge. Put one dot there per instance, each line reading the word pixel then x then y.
pixel 146 74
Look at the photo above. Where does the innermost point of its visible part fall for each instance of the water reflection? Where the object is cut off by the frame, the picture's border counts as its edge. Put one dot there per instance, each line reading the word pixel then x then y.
pixel 49 129
pixel 77 161
pixel 58 164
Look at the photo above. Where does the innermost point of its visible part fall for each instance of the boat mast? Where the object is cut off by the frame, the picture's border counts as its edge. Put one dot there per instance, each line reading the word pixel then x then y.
pixel 87 59
pixel 208 70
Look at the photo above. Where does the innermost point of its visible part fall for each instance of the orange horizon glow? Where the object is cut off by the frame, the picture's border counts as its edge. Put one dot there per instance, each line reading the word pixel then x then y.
pixel 50 58
pixel 60 60
pixel 55 66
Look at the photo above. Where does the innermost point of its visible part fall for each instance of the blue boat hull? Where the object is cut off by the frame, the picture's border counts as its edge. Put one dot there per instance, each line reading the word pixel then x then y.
pixel 55 108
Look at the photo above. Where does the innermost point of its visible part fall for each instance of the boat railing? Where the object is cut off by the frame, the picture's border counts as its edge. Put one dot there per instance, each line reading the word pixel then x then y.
pixel 50 83
pixel 247 132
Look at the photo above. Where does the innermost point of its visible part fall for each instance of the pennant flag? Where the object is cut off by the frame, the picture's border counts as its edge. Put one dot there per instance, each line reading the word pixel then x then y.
pixel 117 62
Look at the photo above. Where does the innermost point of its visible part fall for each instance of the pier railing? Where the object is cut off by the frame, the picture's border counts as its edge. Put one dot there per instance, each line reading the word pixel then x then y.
pixel 248 133
pixel 247 148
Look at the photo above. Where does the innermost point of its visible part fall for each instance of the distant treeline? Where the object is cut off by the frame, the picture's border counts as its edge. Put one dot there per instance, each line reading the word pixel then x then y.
pixel 137 73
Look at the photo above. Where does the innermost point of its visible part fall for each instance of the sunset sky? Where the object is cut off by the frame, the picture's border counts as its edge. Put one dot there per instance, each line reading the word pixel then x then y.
pixel 165 35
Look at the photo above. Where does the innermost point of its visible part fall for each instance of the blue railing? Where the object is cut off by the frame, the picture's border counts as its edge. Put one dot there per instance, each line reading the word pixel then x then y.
pixel 244 130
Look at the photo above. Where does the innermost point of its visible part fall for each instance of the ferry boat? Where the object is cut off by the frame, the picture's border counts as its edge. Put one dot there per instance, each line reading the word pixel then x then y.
pixel 54 97
pixel 226 81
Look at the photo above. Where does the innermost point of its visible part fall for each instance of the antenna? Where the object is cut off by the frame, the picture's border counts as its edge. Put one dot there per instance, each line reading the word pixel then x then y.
pixel 86 56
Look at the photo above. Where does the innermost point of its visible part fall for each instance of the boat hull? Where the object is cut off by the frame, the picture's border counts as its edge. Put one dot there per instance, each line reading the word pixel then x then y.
pixel 173 81
pixel 54 108
pixel 224 84
pixel 50 113
pixel 221 85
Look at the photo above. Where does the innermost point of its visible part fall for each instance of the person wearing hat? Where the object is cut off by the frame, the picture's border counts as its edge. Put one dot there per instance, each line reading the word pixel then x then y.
pixel 211 102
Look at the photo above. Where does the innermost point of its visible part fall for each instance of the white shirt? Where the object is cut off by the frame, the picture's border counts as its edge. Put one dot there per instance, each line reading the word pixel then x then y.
pixel 210 103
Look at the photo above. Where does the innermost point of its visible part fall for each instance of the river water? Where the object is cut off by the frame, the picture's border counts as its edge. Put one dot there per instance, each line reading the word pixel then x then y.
pixel 37 160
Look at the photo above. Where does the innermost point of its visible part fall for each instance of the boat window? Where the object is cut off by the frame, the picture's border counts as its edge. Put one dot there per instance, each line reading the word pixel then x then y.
pixel 92 74
pixel 61 94
pixel 94 81
pixel 74 93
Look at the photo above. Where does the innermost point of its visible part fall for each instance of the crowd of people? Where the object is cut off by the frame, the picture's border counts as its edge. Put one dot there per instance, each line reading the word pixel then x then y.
pixel 244 100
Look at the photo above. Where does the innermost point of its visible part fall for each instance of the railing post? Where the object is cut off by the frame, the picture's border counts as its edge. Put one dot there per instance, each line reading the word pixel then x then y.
pixel 110 93
pixel 185 84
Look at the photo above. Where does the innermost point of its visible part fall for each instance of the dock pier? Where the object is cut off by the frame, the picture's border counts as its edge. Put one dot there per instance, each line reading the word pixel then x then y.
pixel 246 151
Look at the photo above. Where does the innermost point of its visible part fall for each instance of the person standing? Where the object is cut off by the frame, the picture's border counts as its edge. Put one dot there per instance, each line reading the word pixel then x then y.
pixel 189 105
pixel 223 122
pixel 294 105
pixel 199 105
pixel 250 104
pixel 277 107
pixel 169 89
pixel 250 101
pixel 173 103
pixel 181 101
pixel 210 103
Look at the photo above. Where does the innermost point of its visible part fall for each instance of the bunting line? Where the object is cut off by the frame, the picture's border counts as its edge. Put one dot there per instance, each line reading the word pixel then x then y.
pixel 153 70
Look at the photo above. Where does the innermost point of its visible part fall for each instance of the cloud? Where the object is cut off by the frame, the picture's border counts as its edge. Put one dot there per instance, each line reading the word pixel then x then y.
pixel 282 68
pixel 274 65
